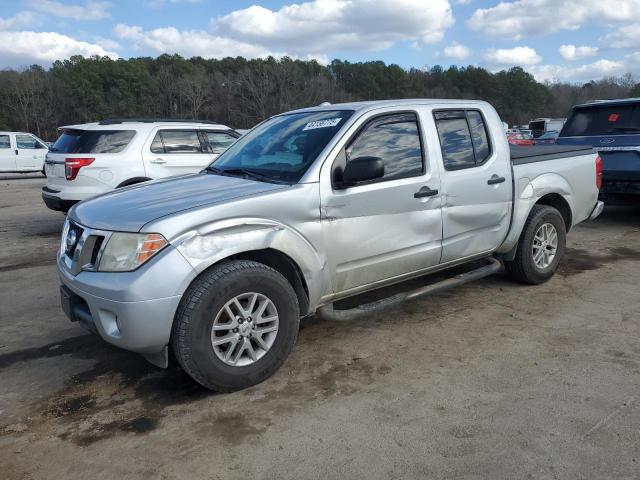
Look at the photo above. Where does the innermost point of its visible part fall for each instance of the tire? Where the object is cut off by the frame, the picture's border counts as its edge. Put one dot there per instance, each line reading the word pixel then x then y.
pixel 523 267
pixel 204 303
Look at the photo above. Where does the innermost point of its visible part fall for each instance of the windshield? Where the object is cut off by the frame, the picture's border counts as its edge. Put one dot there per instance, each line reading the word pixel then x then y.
pixel 282 148
pixel 596 120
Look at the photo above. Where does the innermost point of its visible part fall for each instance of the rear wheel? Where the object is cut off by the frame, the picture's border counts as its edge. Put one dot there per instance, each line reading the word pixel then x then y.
pixel 540 248
pixel 236 325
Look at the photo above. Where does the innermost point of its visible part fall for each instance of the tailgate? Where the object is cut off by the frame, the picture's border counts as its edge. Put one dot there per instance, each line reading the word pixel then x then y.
pixel 620 164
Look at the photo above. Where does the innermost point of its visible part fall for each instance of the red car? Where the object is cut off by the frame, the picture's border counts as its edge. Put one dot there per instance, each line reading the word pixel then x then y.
pixel 521 139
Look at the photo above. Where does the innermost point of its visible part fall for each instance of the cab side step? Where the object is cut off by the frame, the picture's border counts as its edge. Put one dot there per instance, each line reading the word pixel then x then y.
pixel 491 266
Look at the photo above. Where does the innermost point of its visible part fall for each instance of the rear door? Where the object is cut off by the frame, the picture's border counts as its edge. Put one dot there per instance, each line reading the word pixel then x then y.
pixel 476 185
pixel 175 151
pixel 218 141
pixel 30 153
pixel 7 154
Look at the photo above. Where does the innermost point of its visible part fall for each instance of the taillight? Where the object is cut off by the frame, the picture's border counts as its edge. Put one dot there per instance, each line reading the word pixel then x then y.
pixel 598 172
pixel 73 165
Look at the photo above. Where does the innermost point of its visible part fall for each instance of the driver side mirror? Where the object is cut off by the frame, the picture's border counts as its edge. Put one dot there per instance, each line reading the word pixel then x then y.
pixel 362 169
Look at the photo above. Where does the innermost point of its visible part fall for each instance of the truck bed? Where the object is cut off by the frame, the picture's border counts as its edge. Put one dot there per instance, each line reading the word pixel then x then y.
pixel 540 153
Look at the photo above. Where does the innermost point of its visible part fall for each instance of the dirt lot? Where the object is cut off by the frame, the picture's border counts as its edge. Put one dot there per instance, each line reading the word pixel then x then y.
pixel 493 380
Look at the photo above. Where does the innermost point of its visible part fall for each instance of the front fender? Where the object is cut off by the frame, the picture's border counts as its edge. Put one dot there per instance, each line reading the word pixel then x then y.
pixel 528 193
pixel 216 241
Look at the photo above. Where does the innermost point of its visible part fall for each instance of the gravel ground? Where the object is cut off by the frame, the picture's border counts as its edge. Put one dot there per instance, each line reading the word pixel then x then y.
pixel 492 380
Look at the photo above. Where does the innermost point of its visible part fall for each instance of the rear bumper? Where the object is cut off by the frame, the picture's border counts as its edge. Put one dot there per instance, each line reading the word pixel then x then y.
pixel 54 202
pixel 597 210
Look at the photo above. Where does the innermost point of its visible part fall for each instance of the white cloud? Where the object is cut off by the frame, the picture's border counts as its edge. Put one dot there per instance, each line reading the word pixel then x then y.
pixel 627 36
pixel 91 10
pixel 24 48
pixel 591 71
pixel 571 52
pixel 187 43
pixel 457 51
pixel 18 21
pixel 518 56
pixel 521 18
pixel 322 26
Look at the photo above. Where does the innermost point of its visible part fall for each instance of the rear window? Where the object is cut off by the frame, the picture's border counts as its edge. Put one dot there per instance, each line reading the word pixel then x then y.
pixel 596 120
pixel 92 141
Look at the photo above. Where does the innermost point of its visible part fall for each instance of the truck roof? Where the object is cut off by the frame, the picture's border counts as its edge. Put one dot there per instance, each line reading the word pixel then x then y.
pixel 618 101
pixel 375 104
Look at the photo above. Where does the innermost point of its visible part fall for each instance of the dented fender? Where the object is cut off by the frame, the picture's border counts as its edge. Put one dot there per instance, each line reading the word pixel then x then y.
pixel 218 240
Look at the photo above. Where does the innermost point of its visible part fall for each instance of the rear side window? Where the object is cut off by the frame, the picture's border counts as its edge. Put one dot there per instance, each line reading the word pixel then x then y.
pixel 596 120
pixel 219 141
pixel 4 141
pixel 463 138
pixel 92 141
pixel 176 141
pixel 396 140
pixel 27 141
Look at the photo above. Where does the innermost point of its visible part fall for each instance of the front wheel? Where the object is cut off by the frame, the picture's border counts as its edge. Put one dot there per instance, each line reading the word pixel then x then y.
pixel 236 325
pixel 540 248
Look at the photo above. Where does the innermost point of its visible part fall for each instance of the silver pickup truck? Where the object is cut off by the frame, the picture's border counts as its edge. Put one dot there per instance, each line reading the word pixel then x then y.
pixel 308 208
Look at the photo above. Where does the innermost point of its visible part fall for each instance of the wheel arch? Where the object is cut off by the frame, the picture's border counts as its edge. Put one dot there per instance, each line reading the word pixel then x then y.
pixel 132 181
pixel 558 202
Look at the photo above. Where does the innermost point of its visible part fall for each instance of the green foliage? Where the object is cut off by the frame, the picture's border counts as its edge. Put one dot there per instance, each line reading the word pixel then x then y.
pixel 241 92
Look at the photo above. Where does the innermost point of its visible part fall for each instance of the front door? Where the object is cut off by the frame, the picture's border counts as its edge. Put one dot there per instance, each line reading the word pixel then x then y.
pixel 175 152
pixel 476 185
pixel 7 154
pixel 30 153
pixel 380 230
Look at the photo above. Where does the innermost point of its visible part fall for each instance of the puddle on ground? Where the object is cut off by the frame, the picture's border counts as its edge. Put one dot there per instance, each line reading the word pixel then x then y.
pixel 577 260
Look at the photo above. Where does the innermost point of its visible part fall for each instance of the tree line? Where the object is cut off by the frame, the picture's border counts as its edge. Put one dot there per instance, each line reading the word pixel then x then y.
pixel 240 92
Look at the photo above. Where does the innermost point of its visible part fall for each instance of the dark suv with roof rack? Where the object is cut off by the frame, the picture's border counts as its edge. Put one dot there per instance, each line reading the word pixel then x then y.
pixel 612 128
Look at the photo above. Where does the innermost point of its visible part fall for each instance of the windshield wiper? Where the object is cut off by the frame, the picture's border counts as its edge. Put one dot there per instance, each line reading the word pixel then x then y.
pixel 215 170
pixel 245 173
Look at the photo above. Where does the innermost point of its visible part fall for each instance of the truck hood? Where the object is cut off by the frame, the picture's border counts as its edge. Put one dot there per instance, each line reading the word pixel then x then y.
pixel 129 209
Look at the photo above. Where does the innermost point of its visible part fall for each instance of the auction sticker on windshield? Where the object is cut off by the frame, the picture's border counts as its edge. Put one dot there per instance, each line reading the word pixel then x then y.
pixel 331 122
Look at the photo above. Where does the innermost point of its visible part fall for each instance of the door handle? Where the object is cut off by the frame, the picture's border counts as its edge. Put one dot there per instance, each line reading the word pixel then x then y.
pixel 425 192
pixel 495 179
pixel 158 161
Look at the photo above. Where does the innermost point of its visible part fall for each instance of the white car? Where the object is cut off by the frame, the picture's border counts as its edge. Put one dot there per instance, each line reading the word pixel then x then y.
pixel 94 158
pixel 21 152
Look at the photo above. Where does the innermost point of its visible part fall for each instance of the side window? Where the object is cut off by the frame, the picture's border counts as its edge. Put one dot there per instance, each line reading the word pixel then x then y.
pixel 26 141
pixel 219 141
pixel 4 141
pixel 463 138
pixel 176 141
pixel 396 140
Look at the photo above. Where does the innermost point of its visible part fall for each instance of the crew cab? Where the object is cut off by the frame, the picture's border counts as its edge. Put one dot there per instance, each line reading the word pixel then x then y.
pixel 308 208
pixel 21 152
pixel 93 158
pixel 612 128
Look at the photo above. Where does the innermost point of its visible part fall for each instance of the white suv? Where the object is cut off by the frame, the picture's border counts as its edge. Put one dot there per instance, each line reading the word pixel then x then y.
pixel 94 158
pixel 21 152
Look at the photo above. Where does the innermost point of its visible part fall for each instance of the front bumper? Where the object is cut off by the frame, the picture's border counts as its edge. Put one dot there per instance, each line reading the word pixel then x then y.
pixel 131 310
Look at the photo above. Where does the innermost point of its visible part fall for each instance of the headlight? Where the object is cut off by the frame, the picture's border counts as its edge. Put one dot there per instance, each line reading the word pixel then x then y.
pixel 127 251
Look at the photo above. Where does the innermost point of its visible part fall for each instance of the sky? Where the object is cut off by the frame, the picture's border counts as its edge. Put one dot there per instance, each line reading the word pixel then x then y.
pixel 565 40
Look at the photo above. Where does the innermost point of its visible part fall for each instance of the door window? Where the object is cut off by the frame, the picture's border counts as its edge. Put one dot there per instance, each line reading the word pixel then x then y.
pixel 393 138
pixel 463 138
pixel 27 141
pixel 4 141
pixel 176 141
pixel 219 141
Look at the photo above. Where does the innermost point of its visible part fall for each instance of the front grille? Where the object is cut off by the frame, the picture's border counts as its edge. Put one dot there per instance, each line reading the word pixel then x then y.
pixel 82 247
